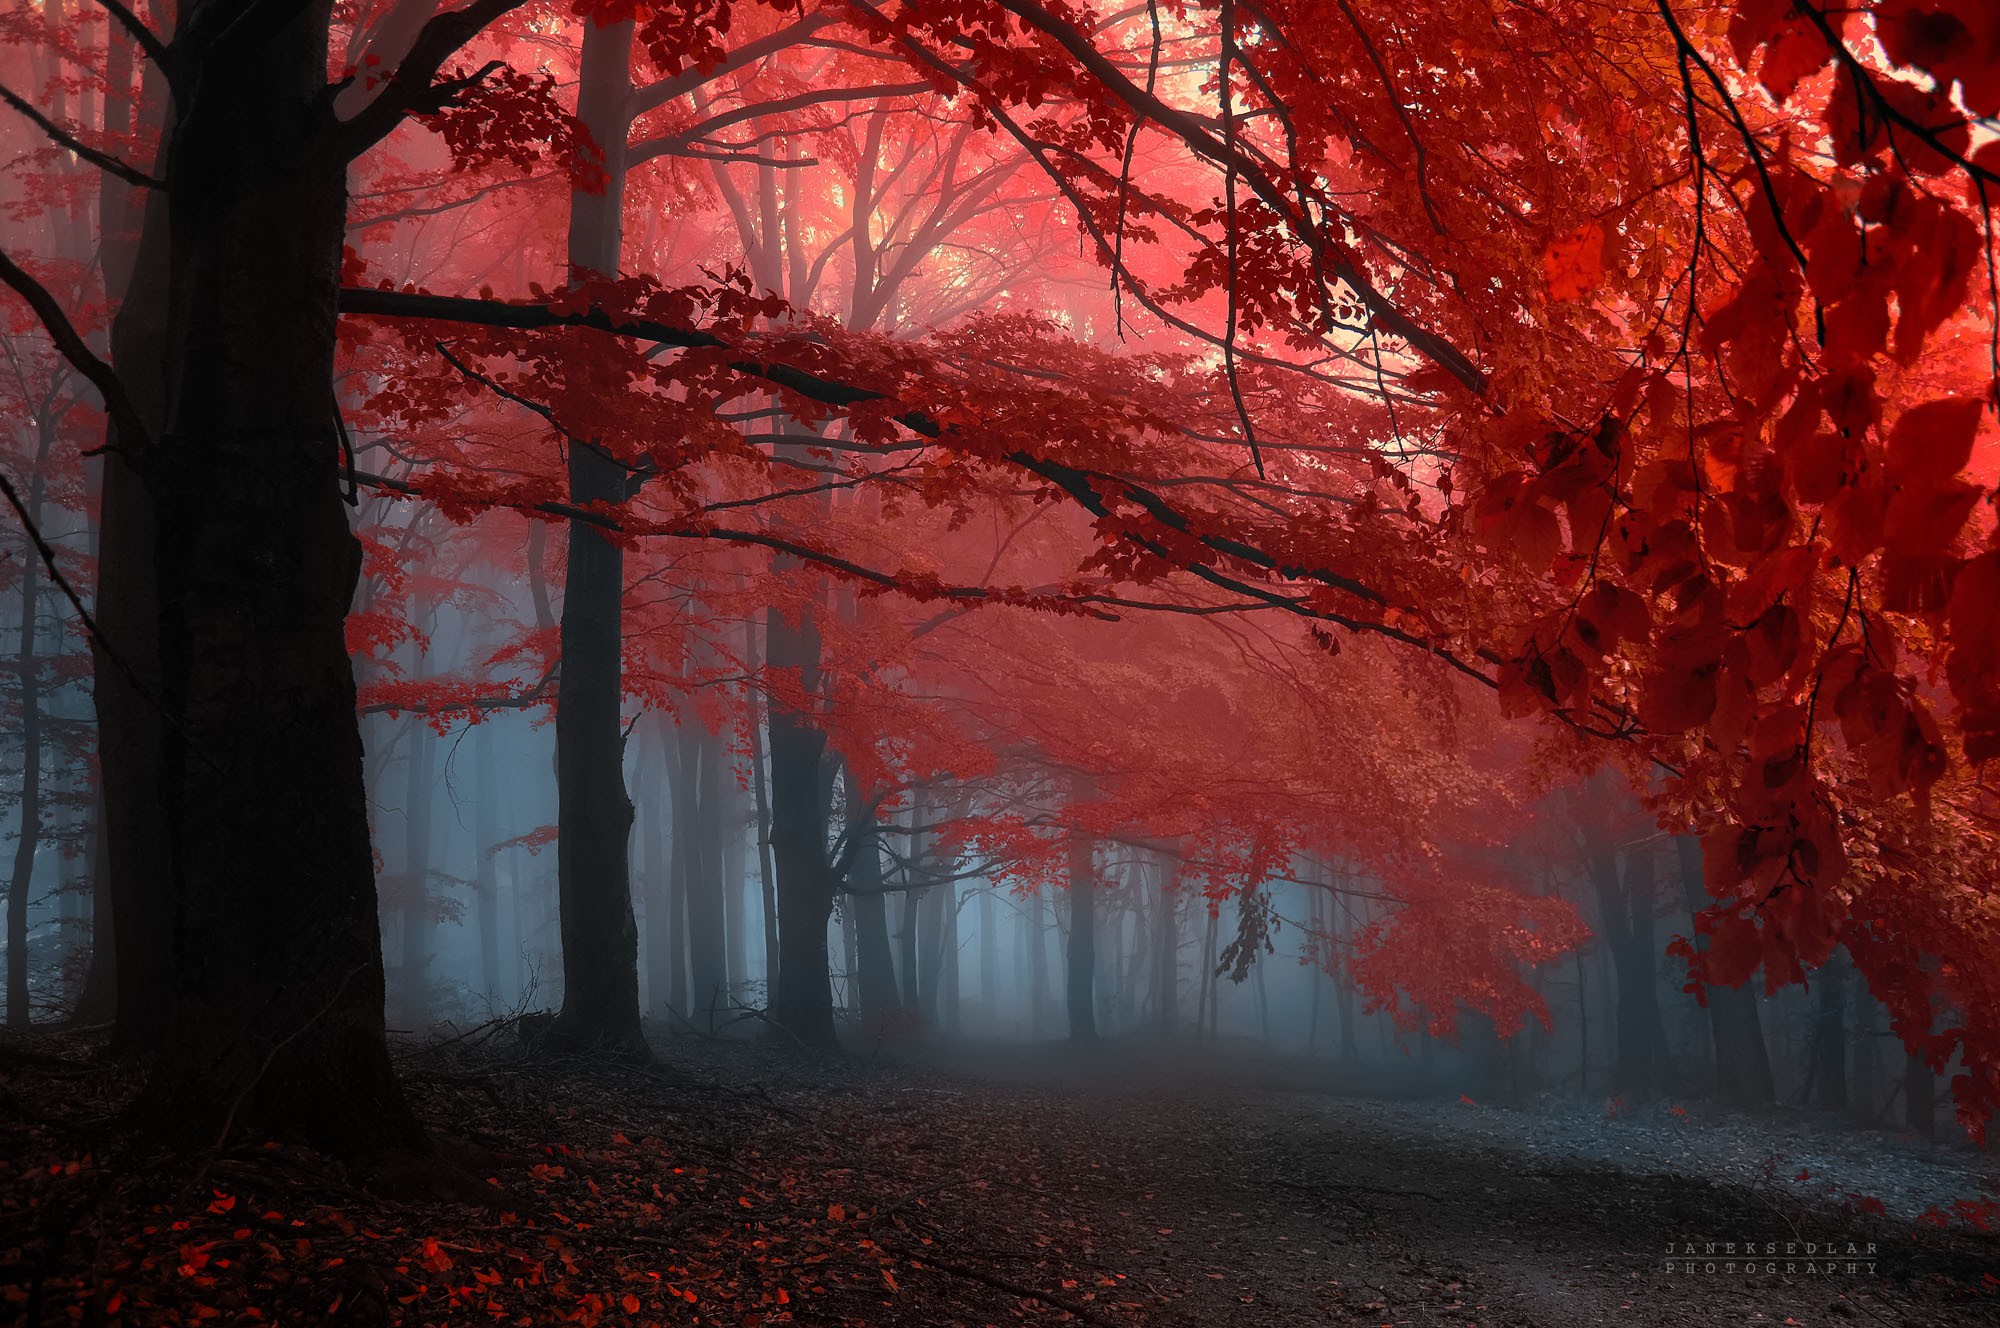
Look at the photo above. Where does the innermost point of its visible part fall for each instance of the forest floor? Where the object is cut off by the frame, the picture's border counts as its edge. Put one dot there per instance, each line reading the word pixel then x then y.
pixel 916 1185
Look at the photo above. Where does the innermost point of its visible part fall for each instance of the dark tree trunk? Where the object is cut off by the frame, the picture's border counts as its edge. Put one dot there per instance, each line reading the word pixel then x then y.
pixel 1625 910
pixel 98 1002
pixel 865 900
pixel 276 1024
pixel 1082 967
pixel 804 1003
pixel 766 873
pixel 708 974
pixel 126 691
pixel 1742 1063
pixel 1829 1039
pixel 1920 1096
pixel 600 937
pixel 28 667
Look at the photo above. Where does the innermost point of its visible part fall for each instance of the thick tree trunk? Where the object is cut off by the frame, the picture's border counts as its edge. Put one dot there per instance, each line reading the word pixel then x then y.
pixel 277 1024
pixel 600 937
pixel 126 691
pixel 1080 993
pixel 1742 1063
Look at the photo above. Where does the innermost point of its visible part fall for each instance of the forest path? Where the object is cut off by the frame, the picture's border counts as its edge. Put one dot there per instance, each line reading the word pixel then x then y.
pixel 737 1184
pixel 1217 1203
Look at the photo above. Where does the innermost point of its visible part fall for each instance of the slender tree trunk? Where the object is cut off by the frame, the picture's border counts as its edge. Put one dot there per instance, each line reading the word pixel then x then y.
pixel 1167 947
pixel 949 984
pixel 668 845
pixel 1204 1011
pixel 276 1026
pixel 732 827
pixel 1082 967
pixel 418 920
pixel 989 954
pixel 876 978
pixel 766 873
pixel 485 834
pixel 804 1003
pixel 1038 959
pixel 600 938
pixel 708 974
pixel 28 667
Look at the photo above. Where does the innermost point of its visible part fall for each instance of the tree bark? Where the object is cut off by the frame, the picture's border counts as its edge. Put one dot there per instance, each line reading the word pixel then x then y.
pixel 804 1003
pixel 1080 994
pixel 126 692
pixel 28 667
pixel 600 937
pixel 276 1024
pixel 1829 1039
pixel 876 979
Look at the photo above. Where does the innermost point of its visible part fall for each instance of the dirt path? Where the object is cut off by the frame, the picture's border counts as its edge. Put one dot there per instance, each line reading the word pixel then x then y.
pixel 1221 1205
pixel 735 1185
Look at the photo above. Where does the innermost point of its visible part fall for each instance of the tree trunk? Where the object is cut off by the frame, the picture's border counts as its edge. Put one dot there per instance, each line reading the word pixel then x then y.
pixel 1167 945
pixel 876 979
pixel 1038 959
pixel 1919 1096
pixel 766 873
pixel 989 954
pixel 708 973
pixel 413 975
pixel 28 667
pixel 1080 992
pixel 1625 908
pixel 276 1026
pixel 804 1004
pixel 126 690
pixel 1829 1039
pixel 1742 1062
pixel 600 938
pixel 486 885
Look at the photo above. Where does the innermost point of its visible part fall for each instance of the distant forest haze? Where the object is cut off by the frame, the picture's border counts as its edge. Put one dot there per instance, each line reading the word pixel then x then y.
pixel 1450 547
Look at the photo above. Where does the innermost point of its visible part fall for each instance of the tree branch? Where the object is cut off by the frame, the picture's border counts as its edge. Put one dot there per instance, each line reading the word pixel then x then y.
pixel 117 403
pixel 410 90
pixel 104 161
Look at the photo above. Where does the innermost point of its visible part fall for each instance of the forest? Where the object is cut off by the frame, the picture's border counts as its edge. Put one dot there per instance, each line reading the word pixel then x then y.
pixel 875 662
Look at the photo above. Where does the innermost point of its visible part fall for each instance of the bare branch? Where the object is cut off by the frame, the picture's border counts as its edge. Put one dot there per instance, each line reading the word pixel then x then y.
pixel 104 161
